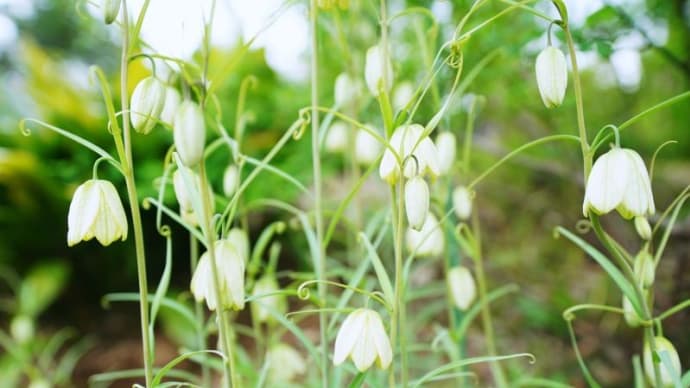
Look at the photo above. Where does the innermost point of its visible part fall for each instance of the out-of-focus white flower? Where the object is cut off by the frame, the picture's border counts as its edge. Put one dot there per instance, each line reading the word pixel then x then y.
pixel 336 137
pixel 629 313
pixel 277 303
pixel 407 141
pixel 146 104
pixel 374 71
pixel 110 10
pixel 402 94
pixel 284 364
pixel 367 148
pixel 231 179
pixel 188 189
pixel 668 375
pixel 427 242
pixel 230 266
pixel 462 202
pixel 347 89
pixel 239 239
pixel 552 76
pixel 462 287
pixel 96 211
pixel 445 144
pixel 189 133
pixel 619 180
pixel 170 106
pixel 22 328
pixel 363 338
pixel 416 202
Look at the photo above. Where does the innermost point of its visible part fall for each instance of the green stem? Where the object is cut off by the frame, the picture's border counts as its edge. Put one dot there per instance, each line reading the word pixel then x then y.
pixel 125 144
pixel 199 314
pixel 320 259
pixel 398 315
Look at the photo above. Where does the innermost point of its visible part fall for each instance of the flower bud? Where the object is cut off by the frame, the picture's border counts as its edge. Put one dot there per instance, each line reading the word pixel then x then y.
pixel 187 187
pixel 96 211
pixel 552 76
pixel 374 70
pixel 644 268
pixel 189 133
pixel 462 202
pixel 445 144
pixel 427 242
pixel 110 10
pixel 402 95
pixel 284 364
pixel 363 338
pixel 643 229
pixel 146 104
pixel 277 303
pixel 670 373
pixel 170 106
pixel 367 148
pixel 336 137
pixel 346 90
pixel 462 287
pixel 629 313
pixel 231 179
pixel 407 141
pixel 416 202
pixel 239 239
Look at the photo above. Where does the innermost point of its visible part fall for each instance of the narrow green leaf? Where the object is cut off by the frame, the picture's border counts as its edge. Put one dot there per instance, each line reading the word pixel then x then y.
pixel 384 280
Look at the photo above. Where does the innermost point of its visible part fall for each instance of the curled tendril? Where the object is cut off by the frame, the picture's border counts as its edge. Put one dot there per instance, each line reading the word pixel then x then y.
pixel 26 131
pixel 147 56
pixel 146 203
pixel 303 122
pixel 304 293
pixel 583 226
pixel 556 233
pixel 409 158
pixel 164 230
pixel 436 342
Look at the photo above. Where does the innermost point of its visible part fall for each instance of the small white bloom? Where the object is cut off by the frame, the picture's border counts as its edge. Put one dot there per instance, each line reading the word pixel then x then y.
pixel 285 363
pixel 239 239
pixel 668 375
pixel 402 95
pixel 619 180
pixel 407 141
pixel 367 148
pixel 552 76
pixel 336 137
pixel 22 328
pixel 230 266
pixel 427 242
pixel 172 103
pixel 231 179
pixel 189 133
pixel 267 284
pixel 363 338
pixel 146 104
pixel 462 202
pixel 462 287
pixel 96 211
pixel 445 144
pixel 346 90
pixel 374 71
pixel 416 202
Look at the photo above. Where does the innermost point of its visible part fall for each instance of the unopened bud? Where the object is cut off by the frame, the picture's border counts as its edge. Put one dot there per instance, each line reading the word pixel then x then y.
pixel 445 144
pixel 374 69
pixel 644 268
pixel 189 133
pixel 629 313
pixel 146 104
pixel 462 287
pixel 336 137
pixel 462 202
pixel 670 371
pixel 110 10
pixel 416 202
pixel 231 179
pixel 642 227
pixel 552 76
pixel 172 103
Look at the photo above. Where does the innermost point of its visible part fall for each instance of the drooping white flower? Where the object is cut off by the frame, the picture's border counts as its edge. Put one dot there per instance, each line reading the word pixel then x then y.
pixel 110 10
pixel 284 363
pixel 336 137
pixel 462 202
pixel 463 290
pixel 416 202
pixel 146 104
pixel 96 211
pixel 619 180
pixel 427 242
pixel 230 266
pixel 374 68
pixel 267 284
pixel 189 133
pixel 367 148
pixel 346 89
pixel 668 374
pixel 407 141
pixel 402 94
pixel 187 187
pixel 552 76
pixel 363 338
pixel 231 180
pixel 445 144
pixel 170 106
pixel 239 239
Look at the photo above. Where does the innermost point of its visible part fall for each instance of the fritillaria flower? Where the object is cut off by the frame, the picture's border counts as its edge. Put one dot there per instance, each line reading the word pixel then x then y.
pixel 146 104
pixel 230 266
pixel 463 289
pixel 416 202
pixel 417 152
pixel 374 71
pixel 189 133
pixel 363 338
pixel 669 373
pixel 96 211
pixel 552 76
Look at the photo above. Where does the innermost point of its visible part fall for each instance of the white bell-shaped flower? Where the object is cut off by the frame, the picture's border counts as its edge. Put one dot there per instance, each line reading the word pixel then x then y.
pixel 146 104
pixel 552 76
pixel 96 211
pixel 186 190
pixel 407 141
pixel 231 180
pixel 336 137
pixel 462 287
pixel 363 338
pixel 374 71
pixel 416 202
pixel 277 303
pixel 402 95
pixel 170 106
pixel 427 242
pixel 189 133
pixel 670 373
pixel 284 364
pixel 619 180
pixel 462 202
pixel 347 90
pixel 445 144
pixel 367 148
pixel 239 239
pixel 230 266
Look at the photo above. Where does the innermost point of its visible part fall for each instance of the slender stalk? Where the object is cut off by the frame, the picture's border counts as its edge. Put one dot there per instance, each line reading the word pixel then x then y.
pixel 316 168
pixel 397 316
pixel 128 168
pixel 199 314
